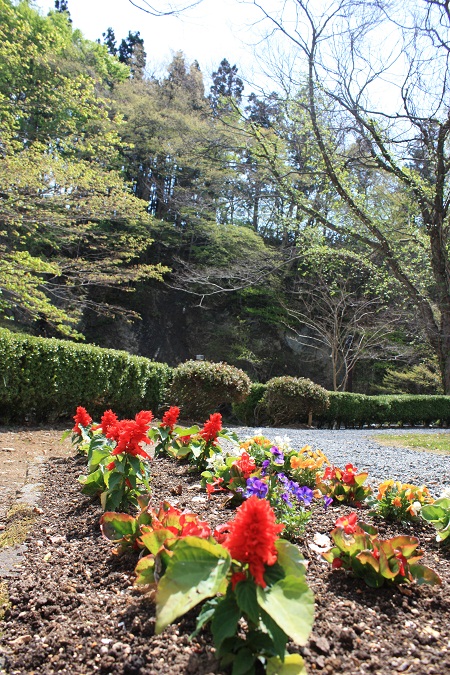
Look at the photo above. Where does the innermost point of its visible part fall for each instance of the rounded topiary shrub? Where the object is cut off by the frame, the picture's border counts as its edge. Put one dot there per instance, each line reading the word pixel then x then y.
pixel 294 399
pixel 200 388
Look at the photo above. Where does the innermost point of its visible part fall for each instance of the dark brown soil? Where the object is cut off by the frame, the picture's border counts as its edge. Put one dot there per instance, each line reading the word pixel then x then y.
pixel 74 609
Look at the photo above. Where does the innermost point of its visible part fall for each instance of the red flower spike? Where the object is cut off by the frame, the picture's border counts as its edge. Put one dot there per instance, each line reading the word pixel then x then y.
pixel 109 419
pixel 252 537
pixel 110 466
pixel 212 427
pixel 246 465
pixel 170 417
pixel 128 434
pixel 81 417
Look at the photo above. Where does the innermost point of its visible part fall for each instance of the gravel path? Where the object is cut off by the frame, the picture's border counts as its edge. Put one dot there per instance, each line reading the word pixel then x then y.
pixel 359 447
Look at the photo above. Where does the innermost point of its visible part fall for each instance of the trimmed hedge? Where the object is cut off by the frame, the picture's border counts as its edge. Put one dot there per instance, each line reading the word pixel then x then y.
pixel 294 399
pixel 252 411
pixel 45 379
pixel 350 410
pixel 202 387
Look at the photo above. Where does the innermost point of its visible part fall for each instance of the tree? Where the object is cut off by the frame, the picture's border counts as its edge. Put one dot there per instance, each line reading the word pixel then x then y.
pixel 348 52
pixel 131 52
pixel 68 221
pixel 226 85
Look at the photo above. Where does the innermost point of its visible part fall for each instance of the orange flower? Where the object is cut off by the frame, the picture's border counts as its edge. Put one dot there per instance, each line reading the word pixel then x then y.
pixel 397 502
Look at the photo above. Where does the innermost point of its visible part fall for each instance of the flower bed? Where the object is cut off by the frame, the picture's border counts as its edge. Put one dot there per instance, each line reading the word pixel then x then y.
pixel 356 628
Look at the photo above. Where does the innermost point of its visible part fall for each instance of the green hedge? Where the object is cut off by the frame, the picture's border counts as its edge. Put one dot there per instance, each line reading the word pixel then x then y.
pixel 351 410
pixel 290 400
pixel 45 379
pixel 252 410
pixel 202 387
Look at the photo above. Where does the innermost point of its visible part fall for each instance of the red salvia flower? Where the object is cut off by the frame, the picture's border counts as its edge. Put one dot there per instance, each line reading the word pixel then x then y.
pixel 236 578
pixel 170 417
pixel 109 419
pixel 81 417
pixel 212 427
pixel 110 466
pixel 252 537
pixel 129 434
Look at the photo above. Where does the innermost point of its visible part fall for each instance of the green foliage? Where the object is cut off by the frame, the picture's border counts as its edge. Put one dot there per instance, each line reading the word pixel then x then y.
pixel 358 409
pixel 201 387
pixel 345 486
pixel 438 514
pixel 422 378
pixel 251 410
pixel 293 399
pixel 45 379
pixel 400 501
pixel 377 561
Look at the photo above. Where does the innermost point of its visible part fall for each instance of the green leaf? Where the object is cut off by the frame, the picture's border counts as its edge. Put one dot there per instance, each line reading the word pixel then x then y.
pixel 290 603
pixel 245 592
pixel 93 483
pixel 293 664
pixel 205 615
pixel 195 572
pixel 145 571
pixel 154 540
pixel 115 526
pixel 114 479
pixel 277 635
pixel 244 663
pixel 425 575
pixel 225 621
pixel 290 558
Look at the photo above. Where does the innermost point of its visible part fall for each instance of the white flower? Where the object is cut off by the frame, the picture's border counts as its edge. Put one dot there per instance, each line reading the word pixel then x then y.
pixel 446 493
pixel 415 509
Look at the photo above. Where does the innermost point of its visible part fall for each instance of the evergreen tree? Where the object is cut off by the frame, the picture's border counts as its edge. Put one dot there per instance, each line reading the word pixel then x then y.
pixel 109 39
pixel 226 85
pixel 131 51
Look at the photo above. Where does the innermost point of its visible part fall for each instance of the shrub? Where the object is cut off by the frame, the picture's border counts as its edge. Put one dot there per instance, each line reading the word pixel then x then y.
pixel 251 411
pixel 294 399
pixel 358 409
pixel 46 379
pixel 201 387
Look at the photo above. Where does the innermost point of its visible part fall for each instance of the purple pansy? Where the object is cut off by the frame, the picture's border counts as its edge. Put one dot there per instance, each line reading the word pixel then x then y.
pixel 257 487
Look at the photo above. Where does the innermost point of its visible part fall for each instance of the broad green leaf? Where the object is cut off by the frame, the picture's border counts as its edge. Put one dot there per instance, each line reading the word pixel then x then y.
pixel 195 572
pixel 93 483
pixel 244 663
pixel 290 603
pixel 293 664
pixel 206 614
pixel 154 540
pixel 277 635
pixel 290 558
pixel 425 575
pixel 225 620
pixel 114 526
pixel 145 571
pixel 245 592
pixel 113 480
pixel 191 431
pixel 350 543
pixel 98 455
pixel 367 558
pixel 407 545
pixel 361 478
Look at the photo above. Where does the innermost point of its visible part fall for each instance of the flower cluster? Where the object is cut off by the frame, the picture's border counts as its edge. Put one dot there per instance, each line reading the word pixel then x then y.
pixel 400 501
pixel 251 538
pixel 129 434
pixel 211 428
pixel 170 418
pixel 344 485
pixel 377 561
pixel 81 418
pixel 306 465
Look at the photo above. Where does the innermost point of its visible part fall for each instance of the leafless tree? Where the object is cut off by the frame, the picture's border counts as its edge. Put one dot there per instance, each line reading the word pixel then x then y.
pixel 339 321
pixel 382 69
pixel 167 9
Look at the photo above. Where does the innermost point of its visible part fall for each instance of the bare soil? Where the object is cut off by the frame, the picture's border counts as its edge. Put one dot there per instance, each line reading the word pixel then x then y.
pixel 74 610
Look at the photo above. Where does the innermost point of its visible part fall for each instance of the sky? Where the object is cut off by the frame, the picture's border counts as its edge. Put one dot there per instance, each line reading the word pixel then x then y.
pixel 213 30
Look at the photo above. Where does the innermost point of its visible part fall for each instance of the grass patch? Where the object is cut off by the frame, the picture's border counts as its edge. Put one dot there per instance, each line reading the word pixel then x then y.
pixel 438 444
pixel 19 521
